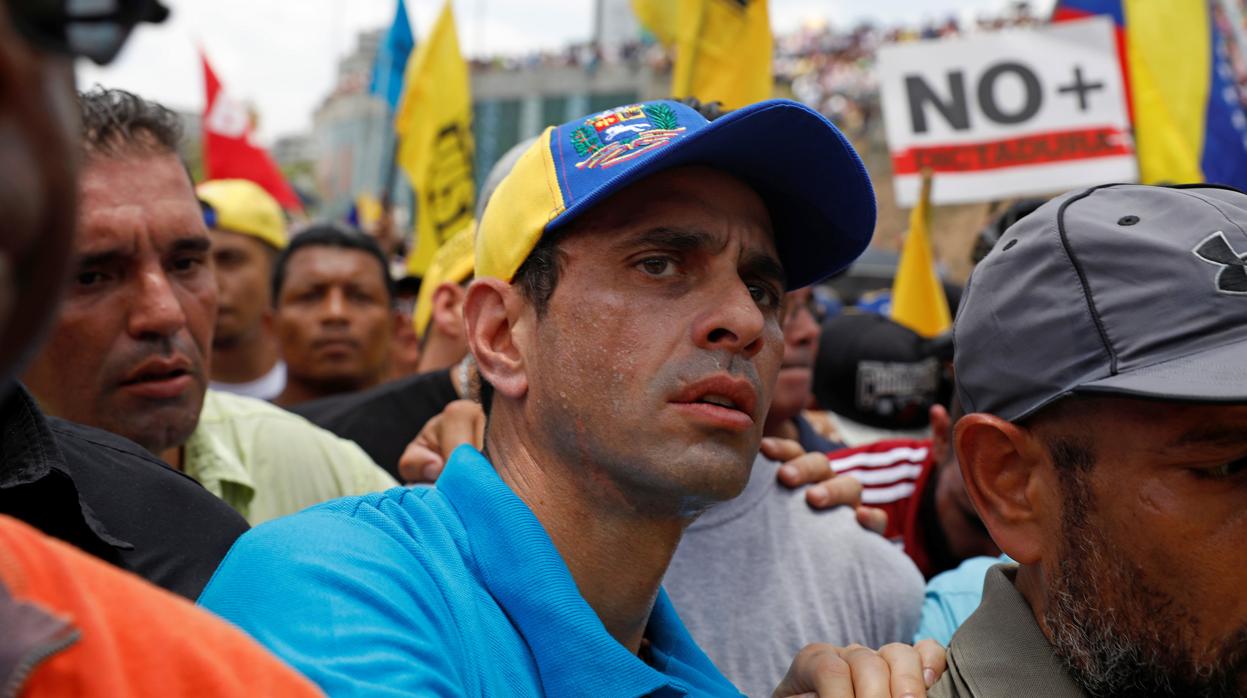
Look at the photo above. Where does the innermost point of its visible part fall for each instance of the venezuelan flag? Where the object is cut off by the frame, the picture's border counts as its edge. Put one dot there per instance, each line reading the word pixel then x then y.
pixel 1188 114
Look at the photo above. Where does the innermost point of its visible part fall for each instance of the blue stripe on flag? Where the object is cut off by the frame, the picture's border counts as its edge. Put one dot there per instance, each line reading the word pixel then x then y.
pixel 1224 160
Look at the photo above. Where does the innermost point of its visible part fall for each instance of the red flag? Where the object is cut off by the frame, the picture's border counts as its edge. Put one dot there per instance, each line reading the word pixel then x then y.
pixel 228 150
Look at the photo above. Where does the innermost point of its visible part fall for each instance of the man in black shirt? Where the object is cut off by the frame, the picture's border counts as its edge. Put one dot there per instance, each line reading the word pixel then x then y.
pixel 92 489
pixel 111 498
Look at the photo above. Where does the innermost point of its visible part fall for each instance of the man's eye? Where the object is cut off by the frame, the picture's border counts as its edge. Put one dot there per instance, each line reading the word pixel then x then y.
pixel 1225 470
pixel 657 266
pixel 89 278
pixel 763 296
pixel 186 263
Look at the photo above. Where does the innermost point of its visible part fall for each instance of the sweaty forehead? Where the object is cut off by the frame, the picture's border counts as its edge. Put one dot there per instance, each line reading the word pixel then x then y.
pixel 129 196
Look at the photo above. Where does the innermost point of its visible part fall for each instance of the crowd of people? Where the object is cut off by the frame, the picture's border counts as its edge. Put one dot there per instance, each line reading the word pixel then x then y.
pixel 634 455
pixel 828 67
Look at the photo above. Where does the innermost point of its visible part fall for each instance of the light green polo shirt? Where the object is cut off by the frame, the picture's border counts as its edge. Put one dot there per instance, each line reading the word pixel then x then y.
pixel 267 462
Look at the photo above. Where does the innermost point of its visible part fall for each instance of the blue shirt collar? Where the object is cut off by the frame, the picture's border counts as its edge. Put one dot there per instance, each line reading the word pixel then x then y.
pixel 526 575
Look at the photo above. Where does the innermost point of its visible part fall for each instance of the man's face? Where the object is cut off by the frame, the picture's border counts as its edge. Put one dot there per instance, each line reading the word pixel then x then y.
pixel 1147 591
pixel 130 351
pixel 243 274
pixel 654 365
pixel 334 323
pixel 792 390
pixel 38 156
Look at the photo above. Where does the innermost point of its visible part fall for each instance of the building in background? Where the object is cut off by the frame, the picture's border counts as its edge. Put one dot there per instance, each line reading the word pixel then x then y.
pixel 295 154
pixel 615 26
pixel 517 96
pixel 353 136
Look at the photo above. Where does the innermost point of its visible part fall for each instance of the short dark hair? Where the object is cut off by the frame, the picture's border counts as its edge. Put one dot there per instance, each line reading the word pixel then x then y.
pixel 536 279
pixel 330 234
pixel 116 121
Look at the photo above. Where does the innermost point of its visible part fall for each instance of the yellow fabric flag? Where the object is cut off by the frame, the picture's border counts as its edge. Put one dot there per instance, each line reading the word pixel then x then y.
pixel 723 48
pixel 434 125
pixel 1169 57
pixel 918 300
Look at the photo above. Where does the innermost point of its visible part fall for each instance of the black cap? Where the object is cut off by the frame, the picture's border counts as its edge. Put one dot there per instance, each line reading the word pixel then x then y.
pixel 876 372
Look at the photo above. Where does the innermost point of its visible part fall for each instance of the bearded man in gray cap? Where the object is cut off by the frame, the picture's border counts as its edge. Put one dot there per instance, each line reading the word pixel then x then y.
pixel 1099 358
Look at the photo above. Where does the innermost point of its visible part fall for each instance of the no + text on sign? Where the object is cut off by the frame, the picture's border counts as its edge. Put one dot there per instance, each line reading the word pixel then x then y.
pixel 1010 113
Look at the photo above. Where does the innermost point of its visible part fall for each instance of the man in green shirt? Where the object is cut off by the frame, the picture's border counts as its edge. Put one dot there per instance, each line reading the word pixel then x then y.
pixel 130 350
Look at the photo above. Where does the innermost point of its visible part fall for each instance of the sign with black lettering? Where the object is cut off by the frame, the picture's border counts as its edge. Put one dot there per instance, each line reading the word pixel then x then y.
pixel 1009 113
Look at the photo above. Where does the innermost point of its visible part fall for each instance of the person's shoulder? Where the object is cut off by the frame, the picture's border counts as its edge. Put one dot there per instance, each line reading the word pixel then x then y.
pixel 364 552
pixel 365 595
pixel 89 451
pixel 267 426
pixel 966 577
pixel 112 621
pixel 408 517
pixel 72 435
pixel 838 530
pixel 220 405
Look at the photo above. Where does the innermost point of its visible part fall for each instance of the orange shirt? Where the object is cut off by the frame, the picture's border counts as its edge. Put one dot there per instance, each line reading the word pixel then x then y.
pixel 107 632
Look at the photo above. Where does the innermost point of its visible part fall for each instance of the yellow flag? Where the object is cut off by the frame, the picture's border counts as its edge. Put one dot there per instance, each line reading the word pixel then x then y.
pixel 723 48
pixel 434 125
pixel 918 300
pixel 1169 59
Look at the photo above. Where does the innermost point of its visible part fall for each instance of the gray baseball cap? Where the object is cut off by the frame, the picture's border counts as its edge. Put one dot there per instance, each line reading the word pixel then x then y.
pixel 1121 289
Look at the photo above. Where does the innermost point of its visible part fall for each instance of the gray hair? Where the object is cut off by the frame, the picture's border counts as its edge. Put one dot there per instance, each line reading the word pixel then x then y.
pixel 116 122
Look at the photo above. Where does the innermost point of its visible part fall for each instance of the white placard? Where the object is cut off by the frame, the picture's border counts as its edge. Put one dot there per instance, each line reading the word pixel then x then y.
pixel 1010 113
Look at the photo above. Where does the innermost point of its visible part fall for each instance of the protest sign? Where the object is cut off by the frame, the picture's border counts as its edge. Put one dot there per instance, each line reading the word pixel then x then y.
pixel 1011 113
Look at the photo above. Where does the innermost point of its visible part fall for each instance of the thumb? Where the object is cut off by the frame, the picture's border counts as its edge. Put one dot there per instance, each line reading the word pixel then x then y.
pixel 781 450
pixel 872 519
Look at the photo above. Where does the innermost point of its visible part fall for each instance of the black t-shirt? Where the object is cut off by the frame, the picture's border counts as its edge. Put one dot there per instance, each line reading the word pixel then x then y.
pixel 108 496
pixel 384 419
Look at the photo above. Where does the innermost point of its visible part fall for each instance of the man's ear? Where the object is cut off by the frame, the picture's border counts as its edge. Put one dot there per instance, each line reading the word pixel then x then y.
pixel 1009 478
pixel 447 312
pixel 497 334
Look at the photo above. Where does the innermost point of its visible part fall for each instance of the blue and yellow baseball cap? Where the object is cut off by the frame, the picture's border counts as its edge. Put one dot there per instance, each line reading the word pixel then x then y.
pixel 815 186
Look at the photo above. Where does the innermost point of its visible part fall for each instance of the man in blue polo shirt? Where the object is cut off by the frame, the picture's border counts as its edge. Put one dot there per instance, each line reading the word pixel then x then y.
pixel 626 321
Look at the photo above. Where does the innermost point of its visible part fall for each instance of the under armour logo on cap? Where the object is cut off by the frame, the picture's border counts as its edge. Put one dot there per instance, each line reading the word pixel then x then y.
pixel 1215 249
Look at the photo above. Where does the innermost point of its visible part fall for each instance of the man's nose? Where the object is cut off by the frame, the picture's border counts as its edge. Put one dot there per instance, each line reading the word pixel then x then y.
pixel 156 310
pixel 334 309
pixel 732 322
pixel 801 326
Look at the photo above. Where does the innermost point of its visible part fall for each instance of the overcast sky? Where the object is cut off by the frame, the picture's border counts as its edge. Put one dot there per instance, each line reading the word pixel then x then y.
pixel 282 54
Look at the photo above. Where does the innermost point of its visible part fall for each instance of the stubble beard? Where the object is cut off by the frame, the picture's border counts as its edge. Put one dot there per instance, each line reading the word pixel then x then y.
pixel 1119 636
pixel 645 475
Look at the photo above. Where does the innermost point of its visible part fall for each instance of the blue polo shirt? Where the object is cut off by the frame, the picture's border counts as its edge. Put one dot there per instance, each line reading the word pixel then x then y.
pixel 455 590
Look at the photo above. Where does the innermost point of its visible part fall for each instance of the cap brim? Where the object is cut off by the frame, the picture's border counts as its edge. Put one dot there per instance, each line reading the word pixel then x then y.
pixel 815 186
pixel 1217 375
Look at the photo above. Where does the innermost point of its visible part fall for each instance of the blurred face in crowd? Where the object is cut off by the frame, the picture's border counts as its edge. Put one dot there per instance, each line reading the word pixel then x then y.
pixel 334 321
pixel 38 154
pixel 796 377
pixel 1140 545
pixel 654 365
pixel 244 267
pixel 130 351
